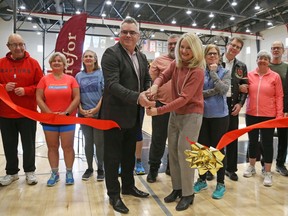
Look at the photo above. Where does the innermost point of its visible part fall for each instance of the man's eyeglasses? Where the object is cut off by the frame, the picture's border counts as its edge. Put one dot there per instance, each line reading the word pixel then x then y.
pixel 15 45
pixel 171 44
pixel 278 48
pixel 235 46
pixel 212 54
pixel 132 33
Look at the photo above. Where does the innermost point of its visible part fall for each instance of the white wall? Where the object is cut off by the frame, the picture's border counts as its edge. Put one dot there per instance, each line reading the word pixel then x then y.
pixel 33 40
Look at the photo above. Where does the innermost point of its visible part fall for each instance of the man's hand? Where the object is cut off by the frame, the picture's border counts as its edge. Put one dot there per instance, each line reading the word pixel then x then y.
pixel 19 91
pixel 10 86
pixel 236 109
pixel 144 101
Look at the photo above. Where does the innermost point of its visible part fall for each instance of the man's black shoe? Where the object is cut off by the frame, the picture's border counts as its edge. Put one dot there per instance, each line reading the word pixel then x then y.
pixel 232 175
pixel 135 192
pixel 152 175
pixel 118 205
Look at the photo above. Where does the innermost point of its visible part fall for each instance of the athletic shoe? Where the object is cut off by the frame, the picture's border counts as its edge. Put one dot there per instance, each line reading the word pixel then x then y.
pixel 54 178
pixel 209 176
pixel 249 171
pixel 88 173
pixel 219 191
pixel 100 175
pixel 267 179
pixel 139 169
pixel 282 170
pixel 31 178
pixel 200 185
pixel 8 179
pixel 69 178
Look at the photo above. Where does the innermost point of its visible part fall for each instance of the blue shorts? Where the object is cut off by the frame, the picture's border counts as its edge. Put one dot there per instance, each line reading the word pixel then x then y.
pixel 58 128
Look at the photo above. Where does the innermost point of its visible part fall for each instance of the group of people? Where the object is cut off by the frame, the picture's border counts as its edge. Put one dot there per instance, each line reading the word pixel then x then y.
pixel 196 93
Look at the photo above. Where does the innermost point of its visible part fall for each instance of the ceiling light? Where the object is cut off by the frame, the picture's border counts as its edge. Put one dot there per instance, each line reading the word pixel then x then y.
pixel 162 29
pixel 34 26
pixel 232 18
pixel 79 0
pixel 270 23
pixel 116 33
pixel 152 35
pixel 108 2
pixel 213 26
pixel 29 18
pixel 257 7
pixel 137 5
pixel 22 7
pixel 211 15
pixel 208 0
pixel 78 11
pixel 188 12
pixel 173 21
pixel 248 30
pixel 194 24
pixel 234 3
pixel 103 14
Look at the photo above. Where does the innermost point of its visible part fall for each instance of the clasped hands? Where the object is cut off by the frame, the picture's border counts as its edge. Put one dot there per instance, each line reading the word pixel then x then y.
pixel 147 99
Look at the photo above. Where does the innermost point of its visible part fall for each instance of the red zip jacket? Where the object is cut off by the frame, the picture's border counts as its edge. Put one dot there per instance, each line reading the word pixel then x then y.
pixel 265 97
pixel 26 73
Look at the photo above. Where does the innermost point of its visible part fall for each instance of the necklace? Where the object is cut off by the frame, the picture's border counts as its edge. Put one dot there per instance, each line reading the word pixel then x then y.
pixel 184 82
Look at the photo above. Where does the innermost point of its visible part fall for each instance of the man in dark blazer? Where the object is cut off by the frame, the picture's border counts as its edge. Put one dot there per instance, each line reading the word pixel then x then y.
pixel 126 78
pixel 235 99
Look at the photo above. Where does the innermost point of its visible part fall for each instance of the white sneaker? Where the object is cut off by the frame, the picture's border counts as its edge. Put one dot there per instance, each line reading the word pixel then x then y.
pixel 249 171
pixel 267 179
pixel 31 178
pixel 8 179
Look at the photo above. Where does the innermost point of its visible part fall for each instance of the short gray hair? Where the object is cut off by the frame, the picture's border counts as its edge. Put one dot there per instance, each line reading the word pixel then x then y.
pixel 264 53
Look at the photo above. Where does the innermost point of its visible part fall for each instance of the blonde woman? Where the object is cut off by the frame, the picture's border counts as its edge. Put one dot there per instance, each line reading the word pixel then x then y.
pixel 58 93
pixel 186 73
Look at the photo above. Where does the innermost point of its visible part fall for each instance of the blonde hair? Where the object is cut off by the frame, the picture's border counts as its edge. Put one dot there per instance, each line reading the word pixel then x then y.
pixel 61 55
pixel 196 46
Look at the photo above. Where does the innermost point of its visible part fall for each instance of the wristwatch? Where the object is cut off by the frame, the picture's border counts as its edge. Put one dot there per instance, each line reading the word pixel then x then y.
pixel 67 113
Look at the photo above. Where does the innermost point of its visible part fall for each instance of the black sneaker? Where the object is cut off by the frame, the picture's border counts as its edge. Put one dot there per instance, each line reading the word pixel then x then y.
pixel 282 170
pixel 88 173
pixel 100 175
pixel 209 176
pixel 232 175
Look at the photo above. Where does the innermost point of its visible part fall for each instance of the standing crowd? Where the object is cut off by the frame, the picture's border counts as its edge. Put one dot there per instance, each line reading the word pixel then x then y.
pixel 191 92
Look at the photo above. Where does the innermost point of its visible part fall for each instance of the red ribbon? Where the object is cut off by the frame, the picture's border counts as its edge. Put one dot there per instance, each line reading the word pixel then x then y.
pixel 232 135
pixel 50 118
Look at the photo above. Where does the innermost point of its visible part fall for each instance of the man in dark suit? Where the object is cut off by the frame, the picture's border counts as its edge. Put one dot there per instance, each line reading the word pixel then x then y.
pixel 126 78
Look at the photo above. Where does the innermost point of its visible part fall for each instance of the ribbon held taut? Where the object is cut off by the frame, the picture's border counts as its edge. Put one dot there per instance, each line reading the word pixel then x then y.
pixel 51 118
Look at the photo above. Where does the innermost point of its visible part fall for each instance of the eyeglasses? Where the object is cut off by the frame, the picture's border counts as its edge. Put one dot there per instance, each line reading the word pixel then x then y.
pixel 15 45
pixel 171 44
pixel 212 53
pixel 235 46
pixel 278 48
pixel 132 33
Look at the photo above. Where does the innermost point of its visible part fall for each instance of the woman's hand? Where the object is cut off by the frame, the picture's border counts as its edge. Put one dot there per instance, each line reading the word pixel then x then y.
pixel 213 67
pixel 151 111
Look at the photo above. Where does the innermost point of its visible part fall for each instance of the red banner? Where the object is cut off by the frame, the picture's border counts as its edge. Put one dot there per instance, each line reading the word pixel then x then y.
pixel 50 118
pixel 70 42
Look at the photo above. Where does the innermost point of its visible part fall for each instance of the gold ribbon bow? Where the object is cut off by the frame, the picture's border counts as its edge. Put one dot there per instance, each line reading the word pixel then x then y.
pixel 204 159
